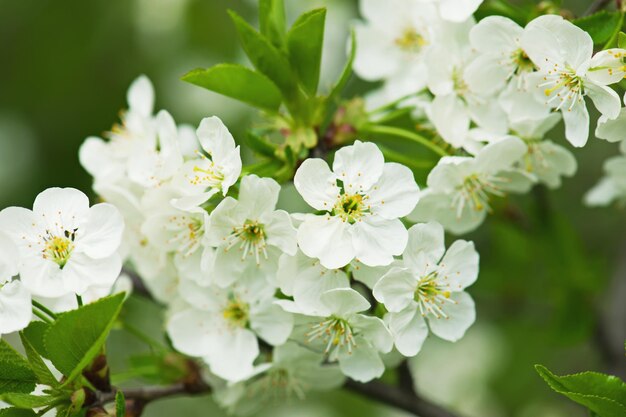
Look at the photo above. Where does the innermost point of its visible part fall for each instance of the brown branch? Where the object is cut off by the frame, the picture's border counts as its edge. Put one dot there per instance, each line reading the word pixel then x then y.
pixel 138 286
pixel 398 397
pixel 596 6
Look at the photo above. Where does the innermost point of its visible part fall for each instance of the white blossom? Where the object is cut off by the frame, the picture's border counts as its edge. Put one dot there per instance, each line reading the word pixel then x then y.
pixel 429 289
pixel 562 53
pixel 221 325
pixel 65 246
pixel 249 233
pixel 460 189
pixel 210 173
pixel 362 199
pixel 344 334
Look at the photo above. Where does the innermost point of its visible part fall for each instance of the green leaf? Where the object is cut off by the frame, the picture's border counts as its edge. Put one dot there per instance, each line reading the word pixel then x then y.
pixel 16 412
pixel 621 40
pixel 258 143
pixel 42 372
pixel 35 333
pixel 238 82
pixel 304 43
pixel 272 20
pixel 15 372
pixel 120 404
pixel 604 395
pixel 28 401
pixel 347 70
pixel 77 336
pixel 265 57
pixel 601 26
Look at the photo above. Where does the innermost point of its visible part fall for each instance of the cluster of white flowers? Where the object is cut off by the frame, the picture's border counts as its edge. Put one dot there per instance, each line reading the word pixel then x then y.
pixel 269 299
pixel 273 301
pixel 492 90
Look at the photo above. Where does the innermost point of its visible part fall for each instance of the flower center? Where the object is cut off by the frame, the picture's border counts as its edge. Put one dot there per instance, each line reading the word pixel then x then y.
pixel 459 84
pixel 522 62
pixel 252 237
pixel 236 312
pixel 350 207
pixel 564 86
pixel 410 41
pixel 58 249
pixel 188 233
pixel 475 193
pixel 432 294
pixel 335 332
pixel 206 173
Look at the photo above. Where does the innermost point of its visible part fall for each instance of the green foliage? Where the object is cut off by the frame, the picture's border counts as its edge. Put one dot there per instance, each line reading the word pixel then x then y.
pixel 604 395
pixel 77 336
pixel 238 82
pixel 304 42
pixel 120 404
pixel 29 401
pixel 272 20
pixel 34 333
pixel 621 40
pixel 347 70
pixel 15 373
pixel 16 412
pixel 42 372
pixel 601 26
pixel 265 57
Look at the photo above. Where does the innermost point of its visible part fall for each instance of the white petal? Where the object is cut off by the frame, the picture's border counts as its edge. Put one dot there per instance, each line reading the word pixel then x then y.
pixel 376 241
pixel 363 365
pixel 460 317
pixel 607 66
pixel 459 266
pixel 396 289
pixel 82 272
pixel 602 194
pixel 358 166
pixel 65 206
pixel 612 130
pixel 140 96
pixel 271 323
pixel 233 358
pixel 328 239
pixel 9 259
pixel 260 194
pixel 486 74
pixel 374 330
pixel 103 231
pixel 496 35
pixel 15 307
pixel 316 184
pixel 192 332
pixel 605 99
pixel 501 154
pixel 281 233
pixel 576 124
pixel 458 10
pixel 396 192
pixel 344 301
pixel 450 117
pixel 215 138
pixel 409 331
pixel 425 247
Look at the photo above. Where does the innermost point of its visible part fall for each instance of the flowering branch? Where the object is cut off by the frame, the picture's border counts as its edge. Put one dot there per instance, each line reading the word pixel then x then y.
pixel 399 397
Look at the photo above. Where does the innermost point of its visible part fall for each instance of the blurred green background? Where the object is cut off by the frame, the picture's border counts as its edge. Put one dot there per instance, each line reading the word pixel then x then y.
pixel 550 268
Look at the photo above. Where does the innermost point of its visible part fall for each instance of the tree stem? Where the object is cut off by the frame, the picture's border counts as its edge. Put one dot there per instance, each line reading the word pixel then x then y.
pixel 406 134
pixel 44 309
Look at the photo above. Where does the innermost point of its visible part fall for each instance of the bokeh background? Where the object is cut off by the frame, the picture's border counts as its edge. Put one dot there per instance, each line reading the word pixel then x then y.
pixel 551 269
